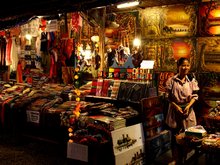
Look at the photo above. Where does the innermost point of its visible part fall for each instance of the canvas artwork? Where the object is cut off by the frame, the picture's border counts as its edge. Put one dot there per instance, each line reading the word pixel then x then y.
pixel 162 79
pixel 168 22
pixel 208 54
pixel 208 19
pixel 135 156
pixel 120 30
pixel 127 138
pixel 165 52
pixel 209 84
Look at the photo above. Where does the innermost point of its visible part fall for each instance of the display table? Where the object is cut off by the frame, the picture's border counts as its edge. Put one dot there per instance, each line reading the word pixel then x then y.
pixel 206 145
pixel 212 122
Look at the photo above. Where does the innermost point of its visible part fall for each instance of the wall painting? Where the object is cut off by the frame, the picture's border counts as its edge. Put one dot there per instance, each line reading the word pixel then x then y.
pixel 168 22
pixel 166 52
pixel 209 19
pixel 209 54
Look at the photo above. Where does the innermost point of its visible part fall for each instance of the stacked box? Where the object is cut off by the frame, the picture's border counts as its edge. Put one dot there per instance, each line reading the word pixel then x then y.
pixel 90 154
pixel 111 73
pixel 157 145
pixel 122 73
pixel 128 145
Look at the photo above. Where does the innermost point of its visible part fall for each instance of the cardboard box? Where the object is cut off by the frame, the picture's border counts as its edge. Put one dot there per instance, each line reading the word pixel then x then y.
pixel 77 151
pixel 33 116
pixel 134 156
pixel 97 154
pixel 127 138
pixel 157 145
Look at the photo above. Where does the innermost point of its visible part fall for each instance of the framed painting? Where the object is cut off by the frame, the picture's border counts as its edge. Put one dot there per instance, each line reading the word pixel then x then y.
pixel 209 19
pixel 165 52
pixel 208 54
pixel 168 22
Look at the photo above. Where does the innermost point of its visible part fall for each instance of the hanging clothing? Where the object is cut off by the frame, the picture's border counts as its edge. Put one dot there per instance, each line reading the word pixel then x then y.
pixel 8 52
pixel 53 63
pixel 38 45
pixel 14 54
pixel 69 47
pixel 2 53
pixel 19 73
pixel 44 42
pixel 51 40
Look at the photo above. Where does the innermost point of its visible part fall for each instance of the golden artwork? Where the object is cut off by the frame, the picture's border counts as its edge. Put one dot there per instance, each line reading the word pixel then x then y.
pixel 168 22
pixel 209 23
pixel 209 54
pixel 120 29
pixel 165 52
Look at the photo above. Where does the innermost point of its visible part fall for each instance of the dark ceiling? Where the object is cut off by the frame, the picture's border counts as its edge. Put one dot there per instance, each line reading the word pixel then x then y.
pixel 16 12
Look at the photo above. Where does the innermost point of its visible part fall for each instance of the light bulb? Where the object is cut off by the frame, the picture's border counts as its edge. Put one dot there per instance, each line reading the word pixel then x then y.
pixel 136 42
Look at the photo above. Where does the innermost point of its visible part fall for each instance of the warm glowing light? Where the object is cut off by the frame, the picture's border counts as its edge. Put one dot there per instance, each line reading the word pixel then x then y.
pixel 28 36
pixel 76 77
pixel 77 99
pixel 181 49
pixel 128 4
pixel 78 93
pixel 70 130
pixel 215 13
pixel 70 134
pixel 77 109
pixel 215 30
pixel 70 141
pixel 87 54
pixel 137 42
pixel 95 38
pixel 77 69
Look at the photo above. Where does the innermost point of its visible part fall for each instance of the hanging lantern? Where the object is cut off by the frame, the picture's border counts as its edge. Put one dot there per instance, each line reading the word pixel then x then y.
pixel 95 38
pixel 77 69
pixel 78 99
pixel 76 77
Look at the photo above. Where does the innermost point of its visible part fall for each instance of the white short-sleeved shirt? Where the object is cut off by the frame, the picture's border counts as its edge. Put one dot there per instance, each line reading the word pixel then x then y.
pixel 181 93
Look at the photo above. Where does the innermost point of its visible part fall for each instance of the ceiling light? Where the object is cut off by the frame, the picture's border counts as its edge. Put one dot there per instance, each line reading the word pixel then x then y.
pixel 113 25
pixel 95 38
pixel 28 36
pixel 137 42
pixel 128 4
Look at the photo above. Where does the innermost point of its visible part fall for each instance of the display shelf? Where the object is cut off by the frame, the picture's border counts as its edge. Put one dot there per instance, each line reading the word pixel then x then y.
pixel 100 97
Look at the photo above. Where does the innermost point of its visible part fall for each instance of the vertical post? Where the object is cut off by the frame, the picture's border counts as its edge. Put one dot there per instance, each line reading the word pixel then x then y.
pixel 102 39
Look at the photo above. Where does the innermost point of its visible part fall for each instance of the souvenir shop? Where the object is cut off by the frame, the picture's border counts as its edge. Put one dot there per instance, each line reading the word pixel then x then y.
pixel 94 80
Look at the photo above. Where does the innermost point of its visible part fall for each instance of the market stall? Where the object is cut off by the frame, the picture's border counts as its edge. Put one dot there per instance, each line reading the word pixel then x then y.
pixel 76 77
